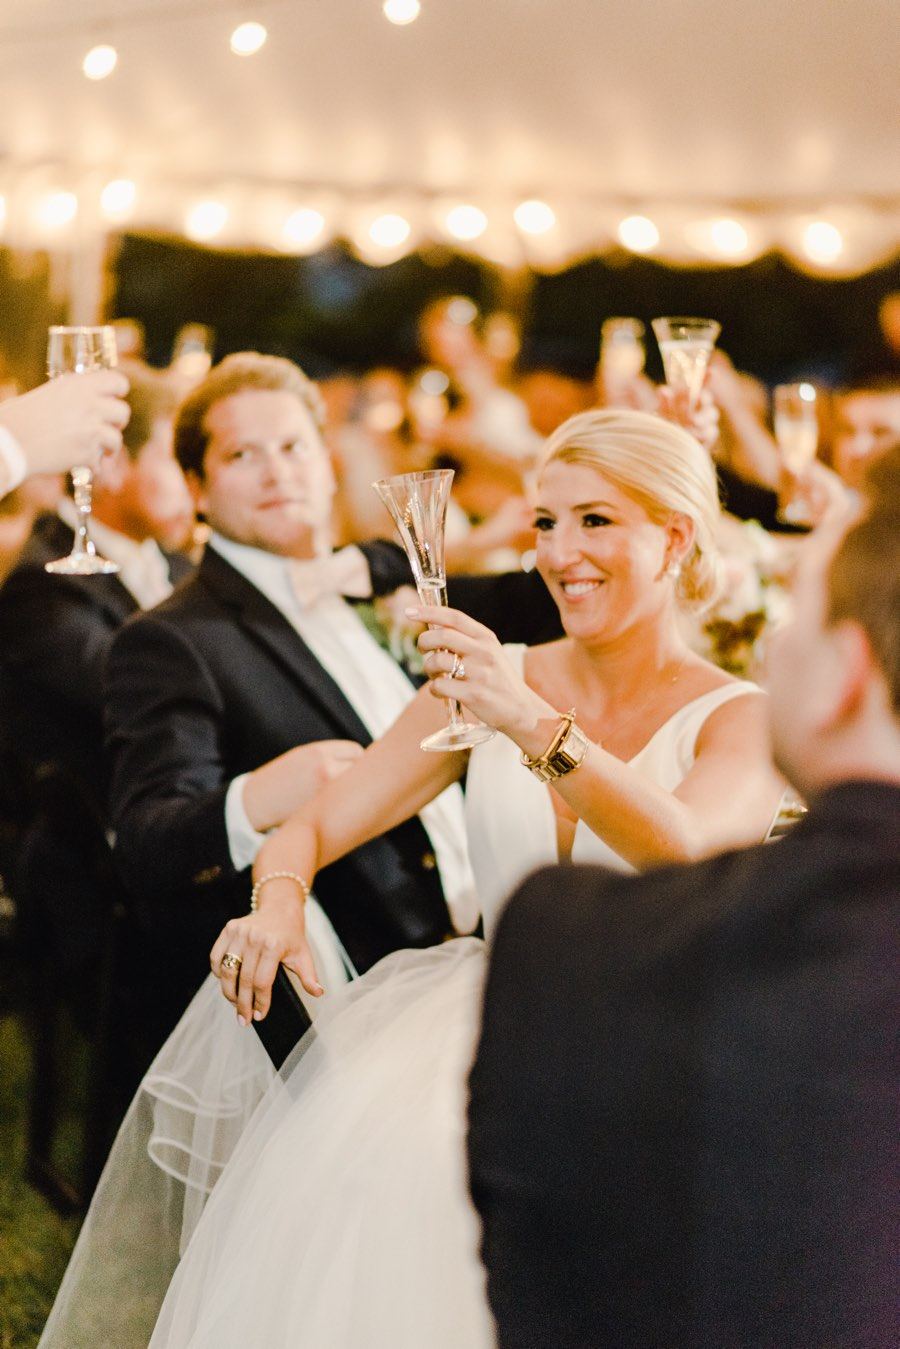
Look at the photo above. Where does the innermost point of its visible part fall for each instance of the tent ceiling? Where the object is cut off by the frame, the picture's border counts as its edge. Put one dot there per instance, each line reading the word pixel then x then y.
pixel 590 98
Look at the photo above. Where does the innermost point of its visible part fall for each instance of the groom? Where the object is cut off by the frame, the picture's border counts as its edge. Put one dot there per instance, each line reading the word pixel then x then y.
pixel 248 662
pixel 683 1121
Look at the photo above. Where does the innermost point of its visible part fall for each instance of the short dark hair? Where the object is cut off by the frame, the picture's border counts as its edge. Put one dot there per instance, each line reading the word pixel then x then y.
pixel 864 579
pixel 151 396
pixel 242 370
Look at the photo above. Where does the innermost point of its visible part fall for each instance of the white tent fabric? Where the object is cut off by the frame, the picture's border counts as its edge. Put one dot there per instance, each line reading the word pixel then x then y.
pixel 774 115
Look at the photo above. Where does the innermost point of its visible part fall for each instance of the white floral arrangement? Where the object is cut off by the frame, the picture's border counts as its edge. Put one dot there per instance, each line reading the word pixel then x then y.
pixel 752 601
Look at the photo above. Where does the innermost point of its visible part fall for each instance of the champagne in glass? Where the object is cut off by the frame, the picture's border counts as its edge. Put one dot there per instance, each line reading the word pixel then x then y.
pixel 77 350
pixel 686 345
pixel 797 433
pixel 417 503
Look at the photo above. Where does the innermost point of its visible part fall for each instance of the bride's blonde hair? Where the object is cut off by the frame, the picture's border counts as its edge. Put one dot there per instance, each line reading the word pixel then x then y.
pixel 664 469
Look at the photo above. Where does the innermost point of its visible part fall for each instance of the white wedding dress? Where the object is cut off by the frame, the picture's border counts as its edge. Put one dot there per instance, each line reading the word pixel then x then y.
pixel 342 1218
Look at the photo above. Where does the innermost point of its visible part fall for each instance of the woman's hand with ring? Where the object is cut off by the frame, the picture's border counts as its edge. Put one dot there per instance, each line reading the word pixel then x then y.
pixel 247 954
pixel 465 662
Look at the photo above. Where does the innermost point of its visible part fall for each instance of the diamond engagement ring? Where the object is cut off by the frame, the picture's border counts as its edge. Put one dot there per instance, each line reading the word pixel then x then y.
pixel 459 670
pixel 231 962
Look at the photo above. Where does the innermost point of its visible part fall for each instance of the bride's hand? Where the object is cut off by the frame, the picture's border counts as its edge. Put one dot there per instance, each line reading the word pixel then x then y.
pixel 261 942
pixel 486 683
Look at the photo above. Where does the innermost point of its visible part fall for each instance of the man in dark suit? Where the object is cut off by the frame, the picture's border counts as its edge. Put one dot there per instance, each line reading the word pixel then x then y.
pixel 683 1108
pixel 244 665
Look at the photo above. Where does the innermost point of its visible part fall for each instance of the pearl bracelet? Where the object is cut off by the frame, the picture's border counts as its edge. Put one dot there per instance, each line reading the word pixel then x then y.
pixel 276 876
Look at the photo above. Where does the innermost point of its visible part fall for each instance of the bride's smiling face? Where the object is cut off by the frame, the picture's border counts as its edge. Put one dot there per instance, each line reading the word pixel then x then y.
pixel 602 557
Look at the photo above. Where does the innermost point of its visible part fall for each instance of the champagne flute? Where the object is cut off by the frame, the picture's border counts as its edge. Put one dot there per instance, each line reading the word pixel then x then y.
pixel 686 345
pixel 77 350
pixel 797 434
pixel 417 503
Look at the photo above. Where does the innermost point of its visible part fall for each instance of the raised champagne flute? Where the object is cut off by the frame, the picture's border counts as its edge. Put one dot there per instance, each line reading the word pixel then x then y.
pixel 418 504
pixel 797 433
pixel 686 345
pixel 76 351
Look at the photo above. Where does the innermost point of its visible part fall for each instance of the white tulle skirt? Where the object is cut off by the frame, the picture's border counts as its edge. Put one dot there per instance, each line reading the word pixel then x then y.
pixel 342 1218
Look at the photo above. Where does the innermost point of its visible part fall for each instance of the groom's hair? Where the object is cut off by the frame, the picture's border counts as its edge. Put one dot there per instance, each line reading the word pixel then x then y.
pixel 243 370
pixel 864 580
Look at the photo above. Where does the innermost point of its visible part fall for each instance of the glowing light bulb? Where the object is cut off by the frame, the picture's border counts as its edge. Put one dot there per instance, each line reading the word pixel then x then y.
pixel 303 227
pixel 57 209
pixel 823 242
pixel 401 11
pixel 117 198
pixel 807 392
pixel 100 62
pixel 728 237
pixel 638 234
pixel 206 220
pixel 389 231
pixel 534 217
pixel 247 38
pixel 466 222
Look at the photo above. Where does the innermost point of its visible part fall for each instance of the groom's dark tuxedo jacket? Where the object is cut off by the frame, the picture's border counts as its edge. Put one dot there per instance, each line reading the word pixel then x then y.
pixel 683 1118
pixel 211 684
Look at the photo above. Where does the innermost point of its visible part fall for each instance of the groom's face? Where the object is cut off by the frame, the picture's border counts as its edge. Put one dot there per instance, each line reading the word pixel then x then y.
pixel 267 478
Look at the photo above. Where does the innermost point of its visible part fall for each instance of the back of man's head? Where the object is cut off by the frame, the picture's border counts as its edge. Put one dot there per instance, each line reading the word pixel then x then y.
pixel 864 578
pixel 152 397
pixel 241 371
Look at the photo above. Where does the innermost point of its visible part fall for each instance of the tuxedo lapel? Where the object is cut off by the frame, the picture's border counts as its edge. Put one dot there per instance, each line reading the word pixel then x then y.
pixel 271 630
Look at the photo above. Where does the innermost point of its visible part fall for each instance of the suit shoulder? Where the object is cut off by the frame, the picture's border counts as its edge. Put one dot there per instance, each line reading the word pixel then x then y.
pixel 563 911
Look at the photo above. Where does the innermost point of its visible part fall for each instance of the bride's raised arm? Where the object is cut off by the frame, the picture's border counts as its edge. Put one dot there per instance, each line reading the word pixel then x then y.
pixel 388 784
pixel 728 797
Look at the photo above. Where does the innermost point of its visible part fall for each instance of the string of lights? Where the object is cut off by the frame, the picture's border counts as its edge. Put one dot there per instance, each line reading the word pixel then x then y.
pixel 58 206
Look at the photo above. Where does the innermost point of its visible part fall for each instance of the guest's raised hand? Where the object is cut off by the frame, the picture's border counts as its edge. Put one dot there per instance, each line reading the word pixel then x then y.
pixel 701 418
pixel 465 661
pixel 273 791
pixel 69 420
pixel 247 954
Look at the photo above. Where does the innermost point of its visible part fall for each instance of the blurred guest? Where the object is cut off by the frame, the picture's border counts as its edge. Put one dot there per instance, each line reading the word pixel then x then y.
pixel 55 635
pixel 486 432
pixel 551 397
pixel 866 420
pixel 683 1108
pixel 65 422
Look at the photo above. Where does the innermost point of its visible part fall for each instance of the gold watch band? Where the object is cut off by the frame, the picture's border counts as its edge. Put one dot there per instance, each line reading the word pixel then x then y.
pixel 564 753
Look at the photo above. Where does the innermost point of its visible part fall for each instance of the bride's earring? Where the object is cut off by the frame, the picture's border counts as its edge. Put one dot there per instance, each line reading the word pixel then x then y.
pixel 673 570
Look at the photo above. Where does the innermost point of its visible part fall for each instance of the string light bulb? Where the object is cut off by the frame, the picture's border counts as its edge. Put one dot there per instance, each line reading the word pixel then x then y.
pixel 389 231
pixel 638 234
pixel 205 220
pixel 117 199
pixel 303 227
pixel 401 12
pixel 534 217
pixel 55 210
pixel 466 222
pixel 248 38
pixel 100 61
pixel 823 242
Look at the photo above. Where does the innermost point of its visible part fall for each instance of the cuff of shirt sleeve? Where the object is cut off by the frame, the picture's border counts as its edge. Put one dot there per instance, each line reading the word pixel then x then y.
pixel 12 459
pixel 244 842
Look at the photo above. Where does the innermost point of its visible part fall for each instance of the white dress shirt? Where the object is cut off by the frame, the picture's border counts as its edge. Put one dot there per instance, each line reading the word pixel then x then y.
pixel 377 690
pixel 143 567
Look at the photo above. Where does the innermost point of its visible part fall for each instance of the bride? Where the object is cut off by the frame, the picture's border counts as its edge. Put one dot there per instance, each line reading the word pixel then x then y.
pixel 341 1217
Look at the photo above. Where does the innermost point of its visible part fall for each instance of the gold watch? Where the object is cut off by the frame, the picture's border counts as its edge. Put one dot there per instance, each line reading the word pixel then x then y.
pixel 565 751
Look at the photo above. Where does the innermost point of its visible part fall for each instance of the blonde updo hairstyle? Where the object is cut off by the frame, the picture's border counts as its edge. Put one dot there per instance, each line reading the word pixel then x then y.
pixel 661 467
